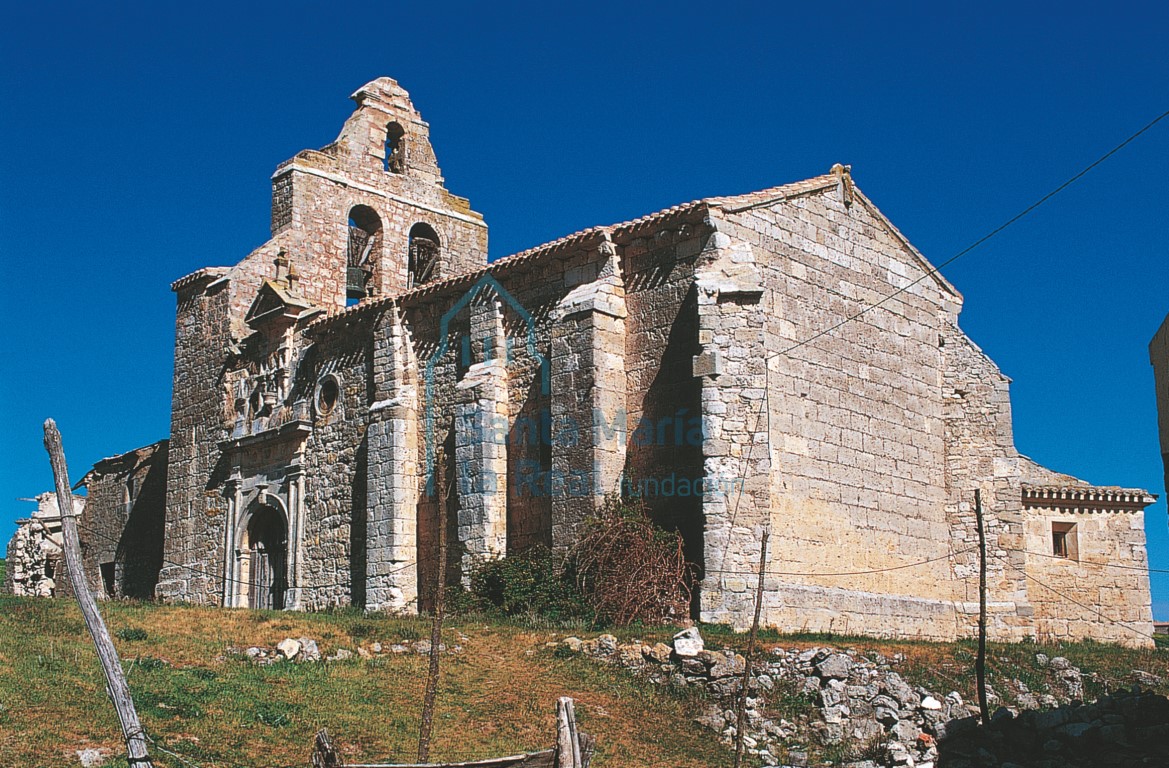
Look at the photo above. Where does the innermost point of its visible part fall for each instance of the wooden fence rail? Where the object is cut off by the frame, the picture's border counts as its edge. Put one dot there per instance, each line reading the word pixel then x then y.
pixel 573 750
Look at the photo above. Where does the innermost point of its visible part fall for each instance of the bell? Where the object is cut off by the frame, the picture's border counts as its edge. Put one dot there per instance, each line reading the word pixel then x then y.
pixel 355 283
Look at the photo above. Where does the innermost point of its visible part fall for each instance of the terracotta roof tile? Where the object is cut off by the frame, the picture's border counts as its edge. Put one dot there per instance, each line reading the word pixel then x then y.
pixel 772 194
pixel 199 274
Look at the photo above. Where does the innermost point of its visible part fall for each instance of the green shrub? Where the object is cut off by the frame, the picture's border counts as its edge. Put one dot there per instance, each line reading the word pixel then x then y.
pixel 131 634
pixel 530 583
pixel 149 663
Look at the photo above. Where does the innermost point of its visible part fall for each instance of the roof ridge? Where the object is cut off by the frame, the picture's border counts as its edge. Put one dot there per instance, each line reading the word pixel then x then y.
pixel 790 189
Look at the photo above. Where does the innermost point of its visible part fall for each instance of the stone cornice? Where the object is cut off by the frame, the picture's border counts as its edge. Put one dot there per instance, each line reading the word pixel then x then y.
pixel 1086 498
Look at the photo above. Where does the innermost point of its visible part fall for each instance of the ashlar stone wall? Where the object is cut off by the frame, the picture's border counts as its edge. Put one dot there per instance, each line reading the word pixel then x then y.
pixel 1097 584
pixel 851 424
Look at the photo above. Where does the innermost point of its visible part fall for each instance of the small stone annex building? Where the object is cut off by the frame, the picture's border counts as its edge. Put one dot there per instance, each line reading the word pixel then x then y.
pixel 321 382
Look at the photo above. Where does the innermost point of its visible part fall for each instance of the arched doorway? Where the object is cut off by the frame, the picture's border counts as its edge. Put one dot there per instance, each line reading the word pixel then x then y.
pixel 263 557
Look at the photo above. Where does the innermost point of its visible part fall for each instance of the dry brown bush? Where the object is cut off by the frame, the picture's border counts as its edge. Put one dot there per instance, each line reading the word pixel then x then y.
pixel 630 570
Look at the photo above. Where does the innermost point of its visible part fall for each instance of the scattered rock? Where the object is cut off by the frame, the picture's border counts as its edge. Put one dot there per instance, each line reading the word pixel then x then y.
pixel 929 702
pixel 862 700
pixel 836 665
pixel 308 650
pixel 92 758
pixel 632 655
pixel 606 644
pixel 1073 736
pixel 659 652
pixel 728 665
pixel 688 643
pixel 289 648
pixel 1145 679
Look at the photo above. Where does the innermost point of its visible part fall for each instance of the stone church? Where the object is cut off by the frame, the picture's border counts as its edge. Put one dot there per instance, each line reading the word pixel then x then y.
pixel 697 357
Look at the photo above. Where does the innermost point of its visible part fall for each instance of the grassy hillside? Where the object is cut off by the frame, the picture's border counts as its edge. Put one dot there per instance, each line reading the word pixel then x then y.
pixel 497 697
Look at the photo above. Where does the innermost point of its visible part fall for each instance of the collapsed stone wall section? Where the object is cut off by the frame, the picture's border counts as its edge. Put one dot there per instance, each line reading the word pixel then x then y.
pixel 122 529
pixel 35 553
pixel 867 704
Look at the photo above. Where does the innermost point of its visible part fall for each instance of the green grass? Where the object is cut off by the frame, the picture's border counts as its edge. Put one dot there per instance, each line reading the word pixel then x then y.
pixel 218 709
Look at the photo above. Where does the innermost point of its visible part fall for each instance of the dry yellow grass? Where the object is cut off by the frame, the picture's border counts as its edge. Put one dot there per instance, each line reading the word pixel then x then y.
pixel 217 709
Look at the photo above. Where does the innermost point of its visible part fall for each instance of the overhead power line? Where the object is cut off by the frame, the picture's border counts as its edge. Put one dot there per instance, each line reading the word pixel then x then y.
pixel 1086 607
pixel 931 272
pixel 1020 215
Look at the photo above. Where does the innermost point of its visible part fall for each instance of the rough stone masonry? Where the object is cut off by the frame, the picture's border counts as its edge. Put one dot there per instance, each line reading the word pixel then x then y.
pixel 322 382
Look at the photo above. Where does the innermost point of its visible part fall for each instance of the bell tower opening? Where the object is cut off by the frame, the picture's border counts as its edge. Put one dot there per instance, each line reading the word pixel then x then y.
pixel 364 252
pixel 423 255
pixel 395 157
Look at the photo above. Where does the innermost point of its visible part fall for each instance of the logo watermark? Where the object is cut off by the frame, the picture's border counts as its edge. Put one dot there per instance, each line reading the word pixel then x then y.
pixel 541 432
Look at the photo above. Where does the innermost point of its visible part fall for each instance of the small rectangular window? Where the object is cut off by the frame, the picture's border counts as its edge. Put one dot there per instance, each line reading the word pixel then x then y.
pixel 1063 541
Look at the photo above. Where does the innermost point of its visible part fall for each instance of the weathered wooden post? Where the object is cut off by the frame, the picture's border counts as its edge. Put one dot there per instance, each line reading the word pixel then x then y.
pixel 741 713
pixel 116 681
pixel 980 662
pixel 568 753
pixel 442 492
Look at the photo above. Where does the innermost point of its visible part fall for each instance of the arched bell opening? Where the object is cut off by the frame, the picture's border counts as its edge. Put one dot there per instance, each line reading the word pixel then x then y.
pixel 363 254
pixel 422 255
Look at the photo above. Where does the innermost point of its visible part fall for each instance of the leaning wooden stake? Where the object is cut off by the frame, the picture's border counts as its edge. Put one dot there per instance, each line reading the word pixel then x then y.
pixel 118 689
pixel 980 662
pixel 741 714
pixel 442 491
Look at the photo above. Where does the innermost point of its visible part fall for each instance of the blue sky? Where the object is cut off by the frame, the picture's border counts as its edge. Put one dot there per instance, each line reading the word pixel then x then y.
pixel 139 140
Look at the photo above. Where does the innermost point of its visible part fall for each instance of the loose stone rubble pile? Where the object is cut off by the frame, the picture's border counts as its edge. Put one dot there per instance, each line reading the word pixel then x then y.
pixel 306 650
pixel 34 552
pixel 853 699
pixel 1126 728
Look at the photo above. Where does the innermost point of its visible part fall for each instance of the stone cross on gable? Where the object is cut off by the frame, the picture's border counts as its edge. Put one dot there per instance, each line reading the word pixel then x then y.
pixel 283 269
